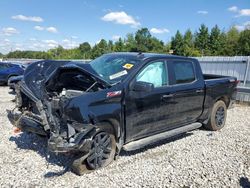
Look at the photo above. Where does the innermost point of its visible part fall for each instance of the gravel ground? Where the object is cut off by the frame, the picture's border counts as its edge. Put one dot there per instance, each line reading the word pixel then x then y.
pixel 197 159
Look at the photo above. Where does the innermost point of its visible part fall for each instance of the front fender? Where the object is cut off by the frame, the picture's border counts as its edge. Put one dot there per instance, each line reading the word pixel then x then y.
pixel 94 108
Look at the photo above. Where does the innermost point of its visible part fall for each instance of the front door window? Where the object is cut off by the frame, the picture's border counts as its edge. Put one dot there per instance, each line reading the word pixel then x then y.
pixel 155 73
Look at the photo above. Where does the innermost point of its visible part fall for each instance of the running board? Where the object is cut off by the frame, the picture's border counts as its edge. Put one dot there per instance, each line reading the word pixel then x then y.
pixel 134 145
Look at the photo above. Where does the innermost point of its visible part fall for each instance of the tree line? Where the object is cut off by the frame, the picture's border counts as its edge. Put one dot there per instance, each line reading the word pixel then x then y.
pixel 204 42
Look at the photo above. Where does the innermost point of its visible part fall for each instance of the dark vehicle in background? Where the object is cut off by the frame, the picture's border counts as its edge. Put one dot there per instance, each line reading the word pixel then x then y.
pixel 14 80
pixel 9 70
pixel 118 101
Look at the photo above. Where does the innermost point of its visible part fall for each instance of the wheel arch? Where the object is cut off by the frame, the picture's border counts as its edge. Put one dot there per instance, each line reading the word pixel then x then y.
pixel 114 125
pixel 225 99
pixel 12 75
pixel 9 76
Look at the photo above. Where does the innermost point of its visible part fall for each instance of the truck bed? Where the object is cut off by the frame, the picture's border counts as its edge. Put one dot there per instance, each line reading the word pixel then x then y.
pixel 217 80
pixel 214 76
pixel 218 87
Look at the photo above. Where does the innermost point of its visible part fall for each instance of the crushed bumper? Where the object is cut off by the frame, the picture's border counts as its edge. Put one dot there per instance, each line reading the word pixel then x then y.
pixel 25 122
pixel 81 141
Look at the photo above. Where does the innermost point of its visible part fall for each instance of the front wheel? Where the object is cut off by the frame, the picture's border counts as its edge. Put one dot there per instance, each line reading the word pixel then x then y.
pixel 102 151
pixel 101 154
pixel 218 116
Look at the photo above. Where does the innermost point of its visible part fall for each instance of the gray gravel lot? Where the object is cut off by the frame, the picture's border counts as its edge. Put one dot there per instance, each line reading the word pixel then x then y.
pixel 197 159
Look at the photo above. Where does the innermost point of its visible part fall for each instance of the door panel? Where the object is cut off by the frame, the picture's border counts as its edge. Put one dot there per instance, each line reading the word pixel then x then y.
pixel 146 112
pixel 188 105
pixel 178 103
pixel 188 92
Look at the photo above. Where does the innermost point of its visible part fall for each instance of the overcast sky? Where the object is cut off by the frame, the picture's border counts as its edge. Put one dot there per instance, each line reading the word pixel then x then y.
pixel 44 24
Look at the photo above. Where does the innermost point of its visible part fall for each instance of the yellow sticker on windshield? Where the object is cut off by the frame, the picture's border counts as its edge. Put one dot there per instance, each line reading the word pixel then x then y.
pixel 127 66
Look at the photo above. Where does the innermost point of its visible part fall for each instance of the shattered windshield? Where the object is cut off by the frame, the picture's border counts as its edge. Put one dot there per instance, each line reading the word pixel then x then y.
pixel 113 68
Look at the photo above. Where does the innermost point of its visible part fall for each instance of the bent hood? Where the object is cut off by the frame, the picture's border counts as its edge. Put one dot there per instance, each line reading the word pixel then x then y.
pixel 38 73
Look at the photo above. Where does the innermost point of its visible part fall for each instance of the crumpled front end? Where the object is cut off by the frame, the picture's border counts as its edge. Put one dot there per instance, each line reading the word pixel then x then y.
pixel 42 107
pixel 46 118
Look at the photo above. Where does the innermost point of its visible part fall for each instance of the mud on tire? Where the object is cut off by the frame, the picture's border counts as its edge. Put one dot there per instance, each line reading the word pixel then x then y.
pixel 218 116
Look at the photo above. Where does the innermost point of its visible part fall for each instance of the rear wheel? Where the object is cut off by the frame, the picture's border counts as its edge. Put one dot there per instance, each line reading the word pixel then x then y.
pixel 218 116
pixel 101 154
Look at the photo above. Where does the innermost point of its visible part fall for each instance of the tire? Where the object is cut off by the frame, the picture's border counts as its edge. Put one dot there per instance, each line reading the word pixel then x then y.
pixel 101 154
pixel 218 116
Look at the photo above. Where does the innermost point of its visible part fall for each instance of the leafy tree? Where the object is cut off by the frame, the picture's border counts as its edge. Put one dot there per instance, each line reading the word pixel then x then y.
pixel 143 38
pixel 85 49
pixel 110 46
pixel 130 43
pixel 223 44
pixel 156 45
pixel 231 42
pixel 56 53
pixel 244 42
pixel 28 54
pixel 188 44
pixel 215 42
pixel 119 46
pixel 103 45
pixel 99 49
pixel 177 43
pixel 167 47
pixel 202 40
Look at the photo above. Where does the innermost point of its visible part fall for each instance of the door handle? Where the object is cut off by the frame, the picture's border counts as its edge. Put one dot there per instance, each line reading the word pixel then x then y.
pixel 199 90
pixel 167 96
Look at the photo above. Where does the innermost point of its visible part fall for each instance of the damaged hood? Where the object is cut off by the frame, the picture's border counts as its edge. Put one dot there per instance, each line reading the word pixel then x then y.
pixel 37 74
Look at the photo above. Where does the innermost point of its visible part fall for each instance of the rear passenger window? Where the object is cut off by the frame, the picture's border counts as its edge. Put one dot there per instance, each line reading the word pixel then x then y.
pixel 183 72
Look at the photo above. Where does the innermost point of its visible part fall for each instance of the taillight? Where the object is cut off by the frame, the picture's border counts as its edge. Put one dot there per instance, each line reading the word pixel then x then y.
pixel 237 82
pixel 234 81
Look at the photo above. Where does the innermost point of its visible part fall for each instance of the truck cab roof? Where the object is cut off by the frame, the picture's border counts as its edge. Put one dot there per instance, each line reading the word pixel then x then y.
pixel 147 56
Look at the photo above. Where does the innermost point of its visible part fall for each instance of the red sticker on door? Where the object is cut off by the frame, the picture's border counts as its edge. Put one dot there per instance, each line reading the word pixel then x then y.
pixel 114 93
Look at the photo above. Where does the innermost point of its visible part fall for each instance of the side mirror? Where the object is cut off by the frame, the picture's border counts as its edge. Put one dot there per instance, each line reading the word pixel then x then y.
pixel 142 86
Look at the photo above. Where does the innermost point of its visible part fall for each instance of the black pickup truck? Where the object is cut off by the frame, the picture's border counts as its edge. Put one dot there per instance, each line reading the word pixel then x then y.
pixel 118 101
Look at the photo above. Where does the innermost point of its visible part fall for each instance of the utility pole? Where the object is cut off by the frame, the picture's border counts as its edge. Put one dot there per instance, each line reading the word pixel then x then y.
pixel 71 46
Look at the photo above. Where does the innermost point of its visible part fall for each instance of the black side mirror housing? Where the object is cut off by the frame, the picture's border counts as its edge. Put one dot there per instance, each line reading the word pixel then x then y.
pixel 142 86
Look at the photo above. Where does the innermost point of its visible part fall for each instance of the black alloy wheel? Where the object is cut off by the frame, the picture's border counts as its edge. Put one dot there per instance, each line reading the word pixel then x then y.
pixel 101 151
pixel 220 116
